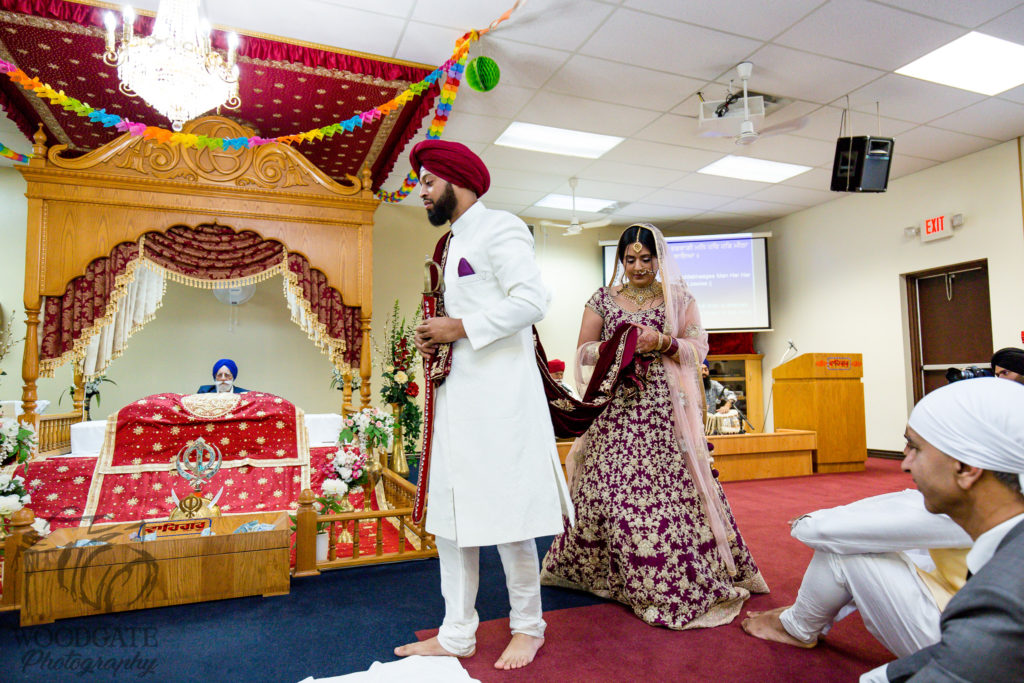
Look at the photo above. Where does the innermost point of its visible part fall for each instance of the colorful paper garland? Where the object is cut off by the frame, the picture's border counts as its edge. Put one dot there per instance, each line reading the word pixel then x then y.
pixel 8 153
pixel 452 69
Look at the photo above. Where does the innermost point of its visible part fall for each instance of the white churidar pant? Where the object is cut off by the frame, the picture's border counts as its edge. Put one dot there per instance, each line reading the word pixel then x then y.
pixel 896 606
pixel 460 578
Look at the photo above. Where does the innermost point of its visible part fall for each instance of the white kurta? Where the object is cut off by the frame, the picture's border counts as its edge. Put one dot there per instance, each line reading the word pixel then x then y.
pixel 495 475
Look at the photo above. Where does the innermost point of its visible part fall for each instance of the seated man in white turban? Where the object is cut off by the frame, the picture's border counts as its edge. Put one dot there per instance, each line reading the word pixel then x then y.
pixel 224 373
pixel 965 450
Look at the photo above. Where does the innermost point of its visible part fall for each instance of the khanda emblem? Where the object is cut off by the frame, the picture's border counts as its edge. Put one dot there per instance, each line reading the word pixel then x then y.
pixel 197 464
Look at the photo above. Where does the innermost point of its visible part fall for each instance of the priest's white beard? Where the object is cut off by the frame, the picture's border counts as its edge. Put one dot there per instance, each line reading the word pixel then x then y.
pixel 225 387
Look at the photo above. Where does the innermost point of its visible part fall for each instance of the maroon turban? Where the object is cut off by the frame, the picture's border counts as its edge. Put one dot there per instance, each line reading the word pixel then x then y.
pixel 452 161
pixel 555 365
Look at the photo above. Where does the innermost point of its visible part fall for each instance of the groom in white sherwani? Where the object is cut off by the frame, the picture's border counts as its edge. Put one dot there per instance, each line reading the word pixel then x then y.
pixel 495 477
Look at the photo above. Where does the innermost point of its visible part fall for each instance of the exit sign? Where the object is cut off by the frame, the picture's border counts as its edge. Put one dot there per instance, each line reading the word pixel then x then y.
pixel 936 228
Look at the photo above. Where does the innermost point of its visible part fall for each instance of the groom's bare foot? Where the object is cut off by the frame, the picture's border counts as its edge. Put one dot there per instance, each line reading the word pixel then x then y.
pixel 427 648
pixel 520 651
pixel 768 626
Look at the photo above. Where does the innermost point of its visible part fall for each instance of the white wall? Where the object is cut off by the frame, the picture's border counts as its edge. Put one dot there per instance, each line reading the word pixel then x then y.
pixel 836 269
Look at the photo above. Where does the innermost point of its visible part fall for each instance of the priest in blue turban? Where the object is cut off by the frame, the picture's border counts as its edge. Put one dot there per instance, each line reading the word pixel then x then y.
pixel 224 373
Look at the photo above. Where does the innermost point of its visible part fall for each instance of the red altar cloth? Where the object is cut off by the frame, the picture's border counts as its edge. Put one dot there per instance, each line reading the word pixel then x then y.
pixel 252 428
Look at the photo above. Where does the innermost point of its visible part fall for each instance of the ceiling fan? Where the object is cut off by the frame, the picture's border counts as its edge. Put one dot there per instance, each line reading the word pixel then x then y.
pixel 574 227
pixel 753 107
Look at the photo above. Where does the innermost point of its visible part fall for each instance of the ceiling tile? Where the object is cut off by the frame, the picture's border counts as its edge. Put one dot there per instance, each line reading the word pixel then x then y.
pixel 601 189
pixel 792 73
pixel 660 155
pixel 687 200
pixel 684 130
pixel 904 164
pixel 1009 26
pixel 614 171
pixel 868 33
pixel 472 128
pixel 665 45
pixel 969 14
pixel 531 65
pixel 910 99
pixel 790 149
pixel 523 160
pixel 505 100
pixel 824 124
pixel 758 20
pixel 609 81
pixel 728 187
pixel 562 111
pixel 564 24
pixel 641 212
pixel 937 144
pixel 511 196
pixel 525 180
pixel 726 222
pixel 426 43
pixel 991 118
pixel 815 179
pixel 758 208
pixel 797 196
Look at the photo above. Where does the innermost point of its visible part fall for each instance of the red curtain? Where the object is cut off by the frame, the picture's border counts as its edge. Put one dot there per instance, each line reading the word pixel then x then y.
pixel 212 252
pixel 84 302
pixel 206 253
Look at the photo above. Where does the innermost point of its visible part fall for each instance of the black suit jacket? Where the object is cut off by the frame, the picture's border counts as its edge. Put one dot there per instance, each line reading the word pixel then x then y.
pixel 982 627
pixel 212 389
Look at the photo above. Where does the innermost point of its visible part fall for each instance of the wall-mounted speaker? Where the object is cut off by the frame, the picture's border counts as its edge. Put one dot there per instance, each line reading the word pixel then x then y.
pixel 862 164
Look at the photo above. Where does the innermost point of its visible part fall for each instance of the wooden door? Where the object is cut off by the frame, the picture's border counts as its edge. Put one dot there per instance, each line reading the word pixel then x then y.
pixel 950 322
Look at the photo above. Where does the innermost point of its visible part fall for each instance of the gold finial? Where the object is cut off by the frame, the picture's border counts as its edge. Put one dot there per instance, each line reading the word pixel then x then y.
pixel 39 148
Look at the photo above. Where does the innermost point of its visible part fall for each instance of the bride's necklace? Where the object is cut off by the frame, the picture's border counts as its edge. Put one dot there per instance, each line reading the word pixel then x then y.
pixel 640 295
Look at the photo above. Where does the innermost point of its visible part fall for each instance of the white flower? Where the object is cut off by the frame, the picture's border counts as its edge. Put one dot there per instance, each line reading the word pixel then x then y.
pixel 5 480
pixel 334 487
pixel 345 472
pixel 10 504
pixel 401 377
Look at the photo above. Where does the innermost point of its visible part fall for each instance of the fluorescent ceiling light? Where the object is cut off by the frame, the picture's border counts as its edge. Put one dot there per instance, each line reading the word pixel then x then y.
pixel 747 168
pixel 564 201
pixel 974 62
pixel 572 143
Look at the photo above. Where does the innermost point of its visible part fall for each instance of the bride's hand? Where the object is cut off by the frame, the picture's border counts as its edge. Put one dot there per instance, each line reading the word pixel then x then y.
pixel 648 340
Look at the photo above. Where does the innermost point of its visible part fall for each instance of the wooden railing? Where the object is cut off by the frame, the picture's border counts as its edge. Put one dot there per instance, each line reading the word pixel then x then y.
pixel 55 433
pixel 399 493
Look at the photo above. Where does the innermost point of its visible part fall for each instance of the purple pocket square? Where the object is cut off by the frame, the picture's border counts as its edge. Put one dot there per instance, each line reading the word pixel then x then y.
pixel 465 269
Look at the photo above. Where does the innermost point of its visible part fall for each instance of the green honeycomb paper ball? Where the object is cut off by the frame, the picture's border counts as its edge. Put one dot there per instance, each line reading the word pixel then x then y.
pixel 482 74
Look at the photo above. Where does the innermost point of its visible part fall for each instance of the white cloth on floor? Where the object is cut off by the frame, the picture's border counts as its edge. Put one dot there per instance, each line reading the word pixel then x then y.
pixel 415 668
pixel 460 578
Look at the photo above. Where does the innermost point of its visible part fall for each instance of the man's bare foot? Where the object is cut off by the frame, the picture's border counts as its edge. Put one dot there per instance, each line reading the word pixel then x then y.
pixel 427 648
pixel 768 626
pixel 520 651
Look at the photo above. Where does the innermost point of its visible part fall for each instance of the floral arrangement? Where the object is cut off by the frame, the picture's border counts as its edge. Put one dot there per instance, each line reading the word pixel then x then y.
pixel 338 381
pixel 13 497
pixel 342 473
pixel 92 390
pixel 7 340
pixel 370 428
pixel 17 441
pixel 398 384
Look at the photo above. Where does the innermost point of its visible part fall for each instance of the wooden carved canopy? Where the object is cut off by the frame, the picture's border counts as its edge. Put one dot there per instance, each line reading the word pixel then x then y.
pixel 80 208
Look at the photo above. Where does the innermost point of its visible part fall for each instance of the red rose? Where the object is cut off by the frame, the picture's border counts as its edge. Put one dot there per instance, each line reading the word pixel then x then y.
pixel 412 390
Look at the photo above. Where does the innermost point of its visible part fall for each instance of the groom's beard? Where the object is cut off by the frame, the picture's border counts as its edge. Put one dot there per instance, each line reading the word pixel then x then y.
pixel 443 209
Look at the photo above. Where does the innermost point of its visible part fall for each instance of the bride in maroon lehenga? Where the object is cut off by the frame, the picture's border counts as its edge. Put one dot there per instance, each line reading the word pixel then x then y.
pixel 653 529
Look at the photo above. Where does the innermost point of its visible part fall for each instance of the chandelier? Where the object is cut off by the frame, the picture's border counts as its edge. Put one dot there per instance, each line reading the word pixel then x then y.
pixel 175 70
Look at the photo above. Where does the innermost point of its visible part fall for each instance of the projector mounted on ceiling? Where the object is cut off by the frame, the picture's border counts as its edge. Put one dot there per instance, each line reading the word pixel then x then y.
pixel 720 116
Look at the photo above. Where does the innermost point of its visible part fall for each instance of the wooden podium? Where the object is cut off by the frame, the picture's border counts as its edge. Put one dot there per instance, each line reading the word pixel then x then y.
pixel 823 392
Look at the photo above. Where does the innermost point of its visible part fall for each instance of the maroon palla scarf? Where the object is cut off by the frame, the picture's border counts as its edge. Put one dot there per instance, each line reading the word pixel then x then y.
pixel 618 364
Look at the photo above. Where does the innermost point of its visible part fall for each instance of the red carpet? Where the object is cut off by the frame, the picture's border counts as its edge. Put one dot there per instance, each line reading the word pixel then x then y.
pixel 607 643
